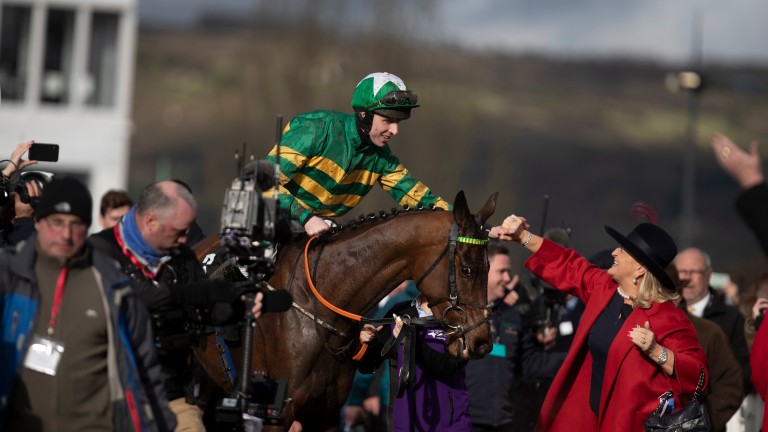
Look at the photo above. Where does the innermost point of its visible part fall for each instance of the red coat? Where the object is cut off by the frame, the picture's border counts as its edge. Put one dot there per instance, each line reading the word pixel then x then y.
pixel 632 381
pixel 759 361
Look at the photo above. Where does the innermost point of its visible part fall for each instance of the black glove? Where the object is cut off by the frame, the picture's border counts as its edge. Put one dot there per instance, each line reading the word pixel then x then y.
pixel 205 293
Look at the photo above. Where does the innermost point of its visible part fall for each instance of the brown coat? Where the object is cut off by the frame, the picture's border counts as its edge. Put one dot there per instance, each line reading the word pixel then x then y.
pixel 726 386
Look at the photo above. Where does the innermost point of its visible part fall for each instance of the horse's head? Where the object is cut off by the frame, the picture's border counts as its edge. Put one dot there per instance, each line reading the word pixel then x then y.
pixel 464 312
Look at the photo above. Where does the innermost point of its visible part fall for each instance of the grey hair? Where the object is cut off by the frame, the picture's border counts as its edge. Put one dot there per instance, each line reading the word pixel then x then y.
pixel 707 259
pixel 154 198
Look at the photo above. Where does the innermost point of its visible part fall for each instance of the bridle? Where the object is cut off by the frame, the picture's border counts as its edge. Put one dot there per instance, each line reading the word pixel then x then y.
pixel 457 329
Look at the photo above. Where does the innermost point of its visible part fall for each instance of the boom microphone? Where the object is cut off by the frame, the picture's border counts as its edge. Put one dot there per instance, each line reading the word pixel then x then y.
pixel 264 173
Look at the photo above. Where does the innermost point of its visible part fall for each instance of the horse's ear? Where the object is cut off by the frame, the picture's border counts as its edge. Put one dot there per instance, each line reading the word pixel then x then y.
pixel 488 208
pixel 461 211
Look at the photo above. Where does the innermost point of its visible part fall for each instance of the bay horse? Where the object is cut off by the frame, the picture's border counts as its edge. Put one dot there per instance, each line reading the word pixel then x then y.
pixel 353 268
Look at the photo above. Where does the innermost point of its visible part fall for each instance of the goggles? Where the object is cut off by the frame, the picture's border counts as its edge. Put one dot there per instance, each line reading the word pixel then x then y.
pixel 396 98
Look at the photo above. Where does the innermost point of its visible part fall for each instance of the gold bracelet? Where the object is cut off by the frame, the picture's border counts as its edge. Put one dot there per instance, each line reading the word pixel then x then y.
pixel 527 240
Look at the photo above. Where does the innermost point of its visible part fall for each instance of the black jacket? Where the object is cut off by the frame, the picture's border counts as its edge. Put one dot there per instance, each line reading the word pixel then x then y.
pixel 752 205
pixel 732 322
pixel 168 311
pixel 494 381
pixel 17 231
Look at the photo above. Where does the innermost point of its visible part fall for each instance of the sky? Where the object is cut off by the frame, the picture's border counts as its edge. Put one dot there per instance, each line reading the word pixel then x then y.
pixel 731 31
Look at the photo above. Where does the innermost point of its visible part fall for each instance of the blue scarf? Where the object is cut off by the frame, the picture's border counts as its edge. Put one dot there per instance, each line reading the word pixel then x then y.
pixel 135 242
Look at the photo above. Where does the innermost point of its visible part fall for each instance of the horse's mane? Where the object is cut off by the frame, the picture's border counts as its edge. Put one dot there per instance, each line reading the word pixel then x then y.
pixel 365 221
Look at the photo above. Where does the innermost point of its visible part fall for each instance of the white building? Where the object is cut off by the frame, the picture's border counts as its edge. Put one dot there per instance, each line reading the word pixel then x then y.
pixel 66 74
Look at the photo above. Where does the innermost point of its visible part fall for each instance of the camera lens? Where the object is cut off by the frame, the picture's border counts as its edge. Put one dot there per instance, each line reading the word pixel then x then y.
pixel 40 178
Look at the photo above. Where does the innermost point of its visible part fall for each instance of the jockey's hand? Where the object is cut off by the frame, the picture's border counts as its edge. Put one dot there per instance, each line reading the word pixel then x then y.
pixel 316 226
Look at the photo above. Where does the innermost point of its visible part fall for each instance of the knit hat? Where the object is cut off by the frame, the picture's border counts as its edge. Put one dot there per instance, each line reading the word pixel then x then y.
pixel 65 195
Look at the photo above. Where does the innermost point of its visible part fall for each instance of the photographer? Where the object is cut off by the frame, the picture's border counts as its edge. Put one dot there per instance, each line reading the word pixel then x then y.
pixel 150 245
pixel 16 216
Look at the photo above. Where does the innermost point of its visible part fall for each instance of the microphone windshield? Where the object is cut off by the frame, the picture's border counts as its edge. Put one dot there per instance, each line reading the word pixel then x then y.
pixel 264 173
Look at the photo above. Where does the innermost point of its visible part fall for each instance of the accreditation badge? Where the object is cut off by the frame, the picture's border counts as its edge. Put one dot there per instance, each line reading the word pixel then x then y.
pixel 43 355
pixel 499 350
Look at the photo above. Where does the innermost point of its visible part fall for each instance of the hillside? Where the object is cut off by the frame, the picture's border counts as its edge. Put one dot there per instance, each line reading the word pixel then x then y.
pixel 593 135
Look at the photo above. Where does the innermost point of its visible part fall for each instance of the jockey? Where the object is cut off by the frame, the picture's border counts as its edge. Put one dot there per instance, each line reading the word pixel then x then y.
pixel 330 160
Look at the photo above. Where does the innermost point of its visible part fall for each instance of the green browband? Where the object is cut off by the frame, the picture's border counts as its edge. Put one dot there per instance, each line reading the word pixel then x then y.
pixel 473 241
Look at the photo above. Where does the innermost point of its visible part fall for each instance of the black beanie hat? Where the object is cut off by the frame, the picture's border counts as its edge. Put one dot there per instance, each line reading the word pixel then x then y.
pixel 65 195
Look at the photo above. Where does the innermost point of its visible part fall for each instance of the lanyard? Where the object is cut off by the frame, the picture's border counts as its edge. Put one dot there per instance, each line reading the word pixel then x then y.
pixel 130 256
pixel 58 294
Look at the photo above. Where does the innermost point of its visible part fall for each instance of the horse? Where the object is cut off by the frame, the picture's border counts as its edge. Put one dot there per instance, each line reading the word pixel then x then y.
pixel 353 268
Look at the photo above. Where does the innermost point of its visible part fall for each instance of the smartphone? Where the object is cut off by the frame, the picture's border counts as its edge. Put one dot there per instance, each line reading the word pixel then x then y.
pixel 719 280
pixel 44 152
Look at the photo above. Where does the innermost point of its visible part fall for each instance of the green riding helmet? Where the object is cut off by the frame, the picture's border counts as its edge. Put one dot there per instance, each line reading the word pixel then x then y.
pixel 384 94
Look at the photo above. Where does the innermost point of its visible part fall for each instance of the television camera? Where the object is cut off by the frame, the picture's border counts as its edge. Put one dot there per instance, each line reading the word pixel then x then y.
pixel 252 223
pixel 249 218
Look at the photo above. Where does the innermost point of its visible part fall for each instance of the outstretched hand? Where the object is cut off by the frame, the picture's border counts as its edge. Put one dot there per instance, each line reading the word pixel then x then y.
pixel 513 228
pixel 744 167
pixel 18 162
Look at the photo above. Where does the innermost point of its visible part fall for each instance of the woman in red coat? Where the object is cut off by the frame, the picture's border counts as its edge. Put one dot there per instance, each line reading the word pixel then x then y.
pixel 759 360
pixel 632 344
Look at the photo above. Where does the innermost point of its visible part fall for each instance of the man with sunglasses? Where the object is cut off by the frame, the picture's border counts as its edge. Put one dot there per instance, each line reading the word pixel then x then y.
pixel 330 160
pixel 77 352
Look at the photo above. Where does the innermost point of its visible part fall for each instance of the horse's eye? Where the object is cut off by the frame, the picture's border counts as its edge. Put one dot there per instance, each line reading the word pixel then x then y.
pixel 466 271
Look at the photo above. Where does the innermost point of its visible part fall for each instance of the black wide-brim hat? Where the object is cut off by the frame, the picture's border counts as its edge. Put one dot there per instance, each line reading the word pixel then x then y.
pixel 652 247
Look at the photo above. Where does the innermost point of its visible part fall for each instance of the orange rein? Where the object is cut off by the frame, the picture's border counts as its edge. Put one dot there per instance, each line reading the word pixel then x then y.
pixel 326 303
